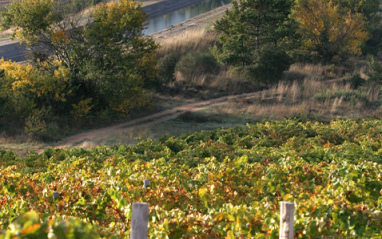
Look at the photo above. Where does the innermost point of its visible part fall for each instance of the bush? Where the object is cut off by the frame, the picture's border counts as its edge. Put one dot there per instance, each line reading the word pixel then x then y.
pixel 375 66
pixel 269 64
pixel 166 67
pixel 196 64
pixel 355 81
pixel 7 157
pixel 35 124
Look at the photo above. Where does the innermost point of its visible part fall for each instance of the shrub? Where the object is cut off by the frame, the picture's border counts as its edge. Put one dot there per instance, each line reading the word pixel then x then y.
pixel 35 124
pixel 269 64
pixel 166 67
pixel 375 66
pixel 355 81
pixel 197 63
pixel 7 157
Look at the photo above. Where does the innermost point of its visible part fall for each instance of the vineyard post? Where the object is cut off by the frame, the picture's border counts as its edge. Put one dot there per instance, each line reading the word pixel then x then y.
pixel 139 220
pixel 55 196
pixel 146 183
pixel 286 220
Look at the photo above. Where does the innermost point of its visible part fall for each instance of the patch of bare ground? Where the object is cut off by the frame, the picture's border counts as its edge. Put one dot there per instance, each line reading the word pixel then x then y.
pixel 85 139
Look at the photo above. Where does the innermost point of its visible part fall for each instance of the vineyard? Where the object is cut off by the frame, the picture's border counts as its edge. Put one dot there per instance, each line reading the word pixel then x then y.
pixel 226 183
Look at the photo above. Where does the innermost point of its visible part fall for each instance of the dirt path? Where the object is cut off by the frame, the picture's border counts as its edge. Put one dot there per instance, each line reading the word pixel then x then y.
pixel 91 135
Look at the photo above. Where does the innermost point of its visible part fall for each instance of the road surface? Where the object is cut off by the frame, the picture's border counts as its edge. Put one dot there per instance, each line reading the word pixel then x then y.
pixel 13 50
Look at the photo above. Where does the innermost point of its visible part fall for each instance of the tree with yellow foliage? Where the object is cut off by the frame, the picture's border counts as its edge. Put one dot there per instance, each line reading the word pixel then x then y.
pixel 31 94
pixel 329 30
pixel 109 59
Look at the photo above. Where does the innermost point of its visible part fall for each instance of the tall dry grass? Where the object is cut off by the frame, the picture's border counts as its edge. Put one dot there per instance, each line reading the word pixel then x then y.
pixel 373 92
pixel 198 39
pixel 300 71
pixel 225 81
pixel 316 71
pixel 289 99
pixel 336 104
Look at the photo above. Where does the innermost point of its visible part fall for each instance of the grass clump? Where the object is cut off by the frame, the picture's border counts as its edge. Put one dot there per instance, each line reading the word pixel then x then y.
pixel 345 95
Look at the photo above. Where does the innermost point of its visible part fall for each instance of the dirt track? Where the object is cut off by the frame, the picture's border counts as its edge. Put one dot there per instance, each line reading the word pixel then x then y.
pixel 76 140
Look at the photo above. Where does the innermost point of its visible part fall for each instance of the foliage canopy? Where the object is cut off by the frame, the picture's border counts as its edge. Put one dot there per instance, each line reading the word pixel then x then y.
pixel 108 62
pixel 330 29
pixel 249 27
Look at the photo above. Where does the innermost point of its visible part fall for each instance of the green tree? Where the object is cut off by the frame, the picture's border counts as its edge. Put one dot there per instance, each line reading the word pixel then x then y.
pixel 30 19
pixel 270 63
pixel 249 27
pixel 369 8
pixel 116 60
pixel 109 58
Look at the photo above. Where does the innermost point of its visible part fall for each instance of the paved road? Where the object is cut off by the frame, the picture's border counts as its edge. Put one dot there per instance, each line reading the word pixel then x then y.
pixel 13 50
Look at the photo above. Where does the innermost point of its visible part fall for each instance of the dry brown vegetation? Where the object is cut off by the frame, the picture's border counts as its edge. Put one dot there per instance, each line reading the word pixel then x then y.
pixel 200 84
pixel 311 98
pixel 192 40
pixel 310 91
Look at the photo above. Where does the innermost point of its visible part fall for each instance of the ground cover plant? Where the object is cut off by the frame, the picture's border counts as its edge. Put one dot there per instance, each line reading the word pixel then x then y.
pixel 209 184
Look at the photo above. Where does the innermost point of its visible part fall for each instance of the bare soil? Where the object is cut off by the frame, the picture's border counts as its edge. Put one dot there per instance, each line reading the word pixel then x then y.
pixel 91 135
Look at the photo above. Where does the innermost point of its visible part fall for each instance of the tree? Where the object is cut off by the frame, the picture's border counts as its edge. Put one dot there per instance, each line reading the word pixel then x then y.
pixel 371 11
pixel 249 27
pixel 269 64
pixel 109 58
pixel 116 59
pixel 30 19
pixel 25 88
pixel 330 30
pixel 369 8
